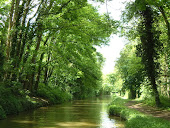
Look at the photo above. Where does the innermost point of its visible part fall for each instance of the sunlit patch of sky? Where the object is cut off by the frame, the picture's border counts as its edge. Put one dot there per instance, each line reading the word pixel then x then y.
pixel 116 44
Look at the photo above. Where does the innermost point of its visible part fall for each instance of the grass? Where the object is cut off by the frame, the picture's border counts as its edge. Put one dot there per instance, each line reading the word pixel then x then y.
pixel 134 118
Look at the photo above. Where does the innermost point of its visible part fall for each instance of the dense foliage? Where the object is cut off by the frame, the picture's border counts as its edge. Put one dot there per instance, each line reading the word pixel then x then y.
pixel 47 48
pixel 52 42
pixel 143 68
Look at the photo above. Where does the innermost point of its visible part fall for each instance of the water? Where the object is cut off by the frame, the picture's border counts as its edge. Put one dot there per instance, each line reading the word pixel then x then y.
pixel 77 114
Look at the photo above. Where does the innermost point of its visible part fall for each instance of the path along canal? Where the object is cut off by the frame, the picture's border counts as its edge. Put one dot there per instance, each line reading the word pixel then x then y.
pixel 76 114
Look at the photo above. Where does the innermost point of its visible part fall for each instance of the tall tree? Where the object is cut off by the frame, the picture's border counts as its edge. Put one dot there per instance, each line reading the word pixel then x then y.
pixel 149 46
pixel 145 23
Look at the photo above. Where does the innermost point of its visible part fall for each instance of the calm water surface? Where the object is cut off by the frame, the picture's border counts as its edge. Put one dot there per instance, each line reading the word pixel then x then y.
pixel 77 114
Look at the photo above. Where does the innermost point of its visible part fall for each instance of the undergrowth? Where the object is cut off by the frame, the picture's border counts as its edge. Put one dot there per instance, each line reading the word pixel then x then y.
pixel 14 99
pixel 13 102
pixel 53 94
pixel 165 101
pixel 134 118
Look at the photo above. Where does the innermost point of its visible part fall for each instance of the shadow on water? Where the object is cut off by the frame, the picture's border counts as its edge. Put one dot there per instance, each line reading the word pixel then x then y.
pixel 77 114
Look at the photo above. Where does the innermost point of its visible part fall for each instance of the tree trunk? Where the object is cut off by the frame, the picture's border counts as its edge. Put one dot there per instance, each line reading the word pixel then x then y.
pixel 132 93
pixel 166 21
pixel 155 91
pixel 40 66
pixel 8 44
pixel 149 47
pixel 39 73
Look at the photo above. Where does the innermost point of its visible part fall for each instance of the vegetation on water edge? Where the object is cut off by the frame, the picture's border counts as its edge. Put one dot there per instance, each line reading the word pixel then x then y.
pixel 13 101
pixel 134 118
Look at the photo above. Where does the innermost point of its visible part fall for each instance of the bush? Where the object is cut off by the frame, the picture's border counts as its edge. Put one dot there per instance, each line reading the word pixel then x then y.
pixel 165 101
pixel 14 100
pixel 114 110
pixel 53 94
pixel 11 102
pixel 2 113
pixel 149 101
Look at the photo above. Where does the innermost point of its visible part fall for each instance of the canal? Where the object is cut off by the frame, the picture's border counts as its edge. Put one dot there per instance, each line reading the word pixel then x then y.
pixel 91 113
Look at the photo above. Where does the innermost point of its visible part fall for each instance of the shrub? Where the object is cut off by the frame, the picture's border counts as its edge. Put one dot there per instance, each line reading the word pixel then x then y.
pixel 2 113
pixel 165 101
pixel 14 100
pixel 11 102
pixel 53 94
pixel 114 110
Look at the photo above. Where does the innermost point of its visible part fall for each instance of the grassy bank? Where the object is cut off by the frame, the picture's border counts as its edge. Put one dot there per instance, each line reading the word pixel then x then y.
pixel 134 118
pixel 14 100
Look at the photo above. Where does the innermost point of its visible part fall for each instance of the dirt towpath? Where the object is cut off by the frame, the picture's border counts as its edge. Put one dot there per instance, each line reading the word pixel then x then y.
pixel 165 114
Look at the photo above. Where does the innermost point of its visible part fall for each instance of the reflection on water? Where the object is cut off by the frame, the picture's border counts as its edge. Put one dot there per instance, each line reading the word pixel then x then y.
pixel 78 114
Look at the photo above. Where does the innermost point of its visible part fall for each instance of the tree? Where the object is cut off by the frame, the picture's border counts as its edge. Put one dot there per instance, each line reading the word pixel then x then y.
pixel 150 43
pixel 52 42
pixel 131 71
pixel 145 23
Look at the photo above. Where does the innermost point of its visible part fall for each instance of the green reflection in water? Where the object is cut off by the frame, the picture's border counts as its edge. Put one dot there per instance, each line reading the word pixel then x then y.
pixel 78 114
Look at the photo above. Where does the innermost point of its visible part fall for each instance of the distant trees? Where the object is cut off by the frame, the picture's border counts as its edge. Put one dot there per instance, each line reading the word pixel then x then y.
pixel 129 68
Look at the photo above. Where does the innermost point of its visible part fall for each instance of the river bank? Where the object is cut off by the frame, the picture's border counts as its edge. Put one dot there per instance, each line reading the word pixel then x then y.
pixel 88 113
pixel 134 118
pixel 14 101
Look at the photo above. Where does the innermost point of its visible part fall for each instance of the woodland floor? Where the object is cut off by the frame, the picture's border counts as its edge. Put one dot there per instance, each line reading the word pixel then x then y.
pixel 155 112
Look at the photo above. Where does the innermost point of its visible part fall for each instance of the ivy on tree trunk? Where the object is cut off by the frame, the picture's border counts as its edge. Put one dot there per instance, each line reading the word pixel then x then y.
pixel 149 44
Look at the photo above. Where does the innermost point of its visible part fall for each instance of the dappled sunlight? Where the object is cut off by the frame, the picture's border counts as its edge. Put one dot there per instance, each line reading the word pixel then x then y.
pixel 90 103
pixel 81 105
pixel 43 108
pixel 50 127
pixel 77 124
pixel 24 121
pixel 109 122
